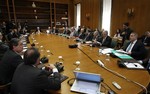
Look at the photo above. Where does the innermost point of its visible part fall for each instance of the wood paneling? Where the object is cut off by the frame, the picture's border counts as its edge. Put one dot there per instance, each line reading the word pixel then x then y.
pixel 71 13
pixel 45 15
pixel 139 22
pixel 90 12
pixel 56 1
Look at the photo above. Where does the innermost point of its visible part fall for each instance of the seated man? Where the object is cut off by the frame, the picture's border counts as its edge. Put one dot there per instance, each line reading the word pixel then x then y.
pixel 135 48
pixel 38 30
pixel 105 40
pixel 89 36
pixel 55 30
pixel 49 30
pixel 146 38
pixel 81 35
pixel 10 61
pixel 28 79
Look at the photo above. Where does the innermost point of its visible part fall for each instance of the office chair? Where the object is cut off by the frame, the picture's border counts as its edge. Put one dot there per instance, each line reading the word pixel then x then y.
pixel 5 89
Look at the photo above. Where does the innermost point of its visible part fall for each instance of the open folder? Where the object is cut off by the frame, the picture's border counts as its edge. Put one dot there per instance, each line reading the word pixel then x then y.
pixel 121 55
pixel 133 65
pixel 86 83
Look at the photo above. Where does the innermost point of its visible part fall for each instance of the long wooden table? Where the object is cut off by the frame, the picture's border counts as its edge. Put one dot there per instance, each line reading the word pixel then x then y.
pixel 58 45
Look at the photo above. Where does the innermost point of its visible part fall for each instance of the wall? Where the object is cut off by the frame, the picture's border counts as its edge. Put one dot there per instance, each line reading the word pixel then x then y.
pixel 71 13
pixel 139 22
pixel 90 13
pixel 57 1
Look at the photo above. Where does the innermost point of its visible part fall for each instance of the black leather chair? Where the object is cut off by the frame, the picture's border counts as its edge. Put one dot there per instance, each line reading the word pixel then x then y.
pixel 5 89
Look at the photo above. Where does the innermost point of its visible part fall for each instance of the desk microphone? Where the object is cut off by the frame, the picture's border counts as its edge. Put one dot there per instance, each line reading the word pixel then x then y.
pixel 100 63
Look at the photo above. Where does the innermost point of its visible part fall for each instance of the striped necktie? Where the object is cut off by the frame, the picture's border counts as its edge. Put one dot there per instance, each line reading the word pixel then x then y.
pixel 129 47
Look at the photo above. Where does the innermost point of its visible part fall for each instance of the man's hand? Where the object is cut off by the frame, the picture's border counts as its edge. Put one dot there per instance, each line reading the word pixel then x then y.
pixel 129 53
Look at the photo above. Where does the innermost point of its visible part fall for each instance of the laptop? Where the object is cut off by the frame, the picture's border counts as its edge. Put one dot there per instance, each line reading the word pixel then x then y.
pixel 86 83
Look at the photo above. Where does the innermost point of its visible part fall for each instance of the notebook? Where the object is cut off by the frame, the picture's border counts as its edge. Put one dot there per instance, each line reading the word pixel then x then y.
pixel 86 83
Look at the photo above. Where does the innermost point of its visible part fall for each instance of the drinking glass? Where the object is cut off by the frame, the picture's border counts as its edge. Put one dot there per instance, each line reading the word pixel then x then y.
pixel 108 57
pixel 77 63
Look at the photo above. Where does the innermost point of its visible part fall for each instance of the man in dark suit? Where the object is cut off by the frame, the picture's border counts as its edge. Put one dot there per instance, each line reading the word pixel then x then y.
pixel 125 33
pixel 146 38
pixel 38 30
pixel 146 60
pixel 135 48
pixel 55 31
pixel 28 79
pixel 89 36
pixel 105 40
pixel 81 35
pixel 10 61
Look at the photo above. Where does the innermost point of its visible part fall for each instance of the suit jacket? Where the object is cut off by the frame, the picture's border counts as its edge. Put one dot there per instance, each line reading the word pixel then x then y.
pixel 10 36
pixel 3 49
pixel 126 34
pixel 146 59
pixel 81 35
pixel 31 80
pixel 146 41
pixel 138 51
pixel 89 37
pixel 9 63
pixel 55 31
pixel 106 43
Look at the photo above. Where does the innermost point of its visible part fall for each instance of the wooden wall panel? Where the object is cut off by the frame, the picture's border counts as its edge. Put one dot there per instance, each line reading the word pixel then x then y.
pixel 57 1
pixel 139 22
pixel 71 13
pixel 90 12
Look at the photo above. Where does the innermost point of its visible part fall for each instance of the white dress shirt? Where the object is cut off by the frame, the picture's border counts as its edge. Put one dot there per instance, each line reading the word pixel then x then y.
pixel 129 48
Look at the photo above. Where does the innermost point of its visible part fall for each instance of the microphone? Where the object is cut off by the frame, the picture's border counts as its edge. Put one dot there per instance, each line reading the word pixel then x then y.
pixel 100 63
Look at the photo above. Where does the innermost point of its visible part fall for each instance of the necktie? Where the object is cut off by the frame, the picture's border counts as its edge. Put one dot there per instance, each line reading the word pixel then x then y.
pixel 129 47
pixel 144 39
pixel 103 40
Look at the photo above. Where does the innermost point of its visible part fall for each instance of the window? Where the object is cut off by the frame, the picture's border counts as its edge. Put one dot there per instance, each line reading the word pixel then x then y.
pixel 78 15
pixel 106 16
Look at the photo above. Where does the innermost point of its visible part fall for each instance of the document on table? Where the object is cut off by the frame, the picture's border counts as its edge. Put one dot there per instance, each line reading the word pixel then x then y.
pixel 133 65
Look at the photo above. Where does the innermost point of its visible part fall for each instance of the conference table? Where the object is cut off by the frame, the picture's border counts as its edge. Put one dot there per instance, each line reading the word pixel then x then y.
pixel 58 46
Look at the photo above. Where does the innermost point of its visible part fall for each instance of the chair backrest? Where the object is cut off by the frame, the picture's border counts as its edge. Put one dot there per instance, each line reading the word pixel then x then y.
pixel 125 44
pixel 5 89
pixel 114 43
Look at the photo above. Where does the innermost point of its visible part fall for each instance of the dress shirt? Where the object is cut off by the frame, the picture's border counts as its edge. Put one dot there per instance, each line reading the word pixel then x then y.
pixel 129 48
